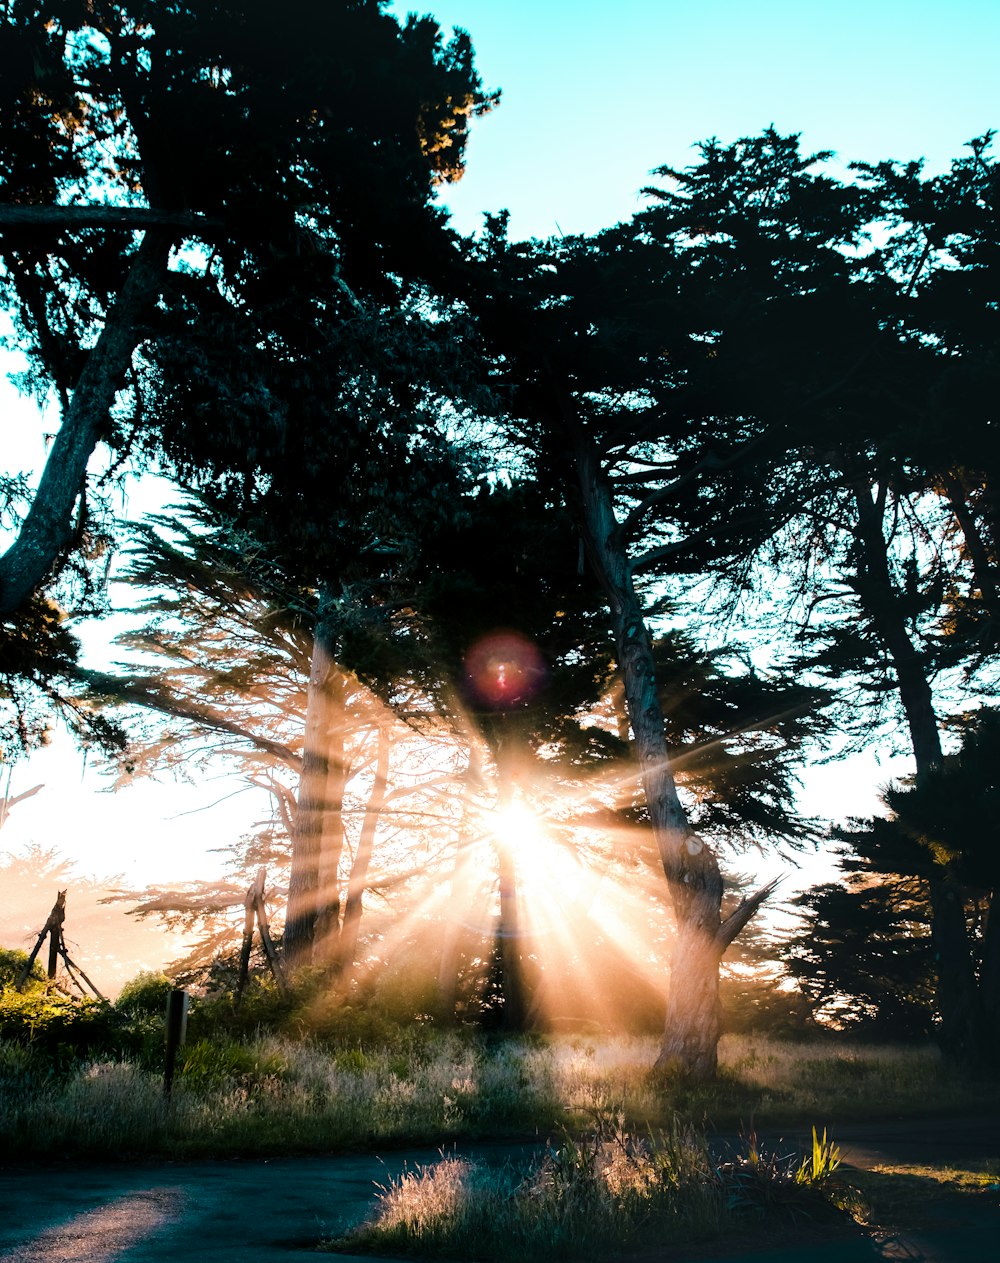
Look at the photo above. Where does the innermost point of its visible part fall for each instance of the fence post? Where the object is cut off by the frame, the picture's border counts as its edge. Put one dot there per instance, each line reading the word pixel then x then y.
pixel 177 1007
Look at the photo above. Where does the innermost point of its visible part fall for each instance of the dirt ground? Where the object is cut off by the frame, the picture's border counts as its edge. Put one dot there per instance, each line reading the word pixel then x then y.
pixel 275 1211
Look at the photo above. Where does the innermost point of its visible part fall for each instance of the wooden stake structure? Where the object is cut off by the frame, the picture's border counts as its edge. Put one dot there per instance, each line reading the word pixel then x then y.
pixel 53 927
pixel 256 909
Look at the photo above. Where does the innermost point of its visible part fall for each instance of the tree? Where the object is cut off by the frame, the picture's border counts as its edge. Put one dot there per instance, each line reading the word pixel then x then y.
pixel 863 956
pixel 167 164
pixel 845 480
pixel 592 339
pixel 224 669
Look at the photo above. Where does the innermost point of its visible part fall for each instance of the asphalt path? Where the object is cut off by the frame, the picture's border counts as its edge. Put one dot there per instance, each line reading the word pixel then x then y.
pixel 276 1210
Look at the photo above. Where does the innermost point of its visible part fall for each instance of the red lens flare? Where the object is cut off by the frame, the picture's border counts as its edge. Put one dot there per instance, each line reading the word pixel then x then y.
pixel 504 669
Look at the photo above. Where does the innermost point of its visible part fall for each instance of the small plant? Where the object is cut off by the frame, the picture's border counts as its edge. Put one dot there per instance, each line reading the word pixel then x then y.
pixel 762 1184
pixel 820 1164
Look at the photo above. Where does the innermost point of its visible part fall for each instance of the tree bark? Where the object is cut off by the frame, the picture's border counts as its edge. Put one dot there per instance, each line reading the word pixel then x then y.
pixel 47 530
pixel 358 880
pixel 326 947
pixel 307 838
pixel 691 1032
pixel 956 998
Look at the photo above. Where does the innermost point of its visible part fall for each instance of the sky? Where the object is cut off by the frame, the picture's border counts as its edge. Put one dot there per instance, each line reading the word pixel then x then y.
pixel 595 96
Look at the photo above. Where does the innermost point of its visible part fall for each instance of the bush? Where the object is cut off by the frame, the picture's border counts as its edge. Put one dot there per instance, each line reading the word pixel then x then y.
pixel 610 1191
pixel 60 1025
pixel 12 963
pixel 145 995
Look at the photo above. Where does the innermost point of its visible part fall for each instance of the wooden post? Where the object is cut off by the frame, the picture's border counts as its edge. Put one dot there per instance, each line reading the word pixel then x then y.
pixel 53 928
pixel 177 1006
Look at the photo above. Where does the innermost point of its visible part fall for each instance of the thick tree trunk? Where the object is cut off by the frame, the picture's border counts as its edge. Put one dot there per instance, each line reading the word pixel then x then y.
pixel 956 997
pixel 326 943
pixel 307 838
pixel 691 1033
pixel 47 530
pixel 358 881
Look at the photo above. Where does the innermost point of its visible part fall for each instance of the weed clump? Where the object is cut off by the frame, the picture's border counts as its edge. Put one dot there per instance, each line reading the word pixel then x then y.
pixel 612 1190
pixel 609 1191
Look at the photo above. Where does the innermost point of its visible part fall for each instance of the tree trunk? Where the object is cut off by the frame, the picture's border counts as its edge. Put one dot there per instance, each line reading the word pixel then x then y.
pixel 307 838
pixel 326 945
pixel 358 880
pixel 691 1034
pixel 47 529
pixel 956 998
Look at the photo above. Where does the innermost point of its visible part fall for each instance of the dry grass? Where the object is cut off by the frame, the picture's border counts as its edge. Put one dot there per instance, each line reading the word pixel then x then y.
pixel 274 1094
pixel 610 1192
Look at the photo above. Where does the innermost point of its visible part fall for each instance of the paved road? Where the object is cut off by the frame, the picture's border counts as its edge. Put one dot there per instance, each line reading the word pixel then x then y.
pixel 274 1211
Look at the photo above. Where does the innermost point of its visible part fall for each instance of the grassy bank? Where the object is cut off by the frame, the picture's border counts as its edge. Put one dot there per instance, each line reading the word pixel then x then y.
pixel 609 1191
pixel 272 1094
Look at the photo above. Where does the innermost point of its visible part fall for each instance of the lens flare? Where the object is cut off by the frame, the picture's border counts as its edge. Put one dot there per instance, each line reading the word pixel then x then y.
pixel 504 670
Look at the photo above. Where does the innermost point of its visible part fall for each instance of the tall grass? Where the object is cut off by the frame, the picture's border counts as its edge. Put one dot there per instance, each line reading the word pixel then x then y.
pixel 608 1192
pixel 272 1094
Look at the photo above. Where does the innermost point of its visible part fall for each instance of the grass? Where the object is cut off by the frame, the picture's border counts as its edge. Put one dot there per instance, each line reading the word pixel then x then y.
pixel 611 1191
pixel 272 1094
pixel 608 1192
pixel 913 1196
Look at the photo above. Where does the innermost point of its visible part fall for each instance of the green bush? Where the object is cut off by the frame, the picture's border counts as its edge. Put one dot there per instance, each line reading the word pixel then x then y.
pixel 12 963
pixel 145 995
pixel 61 1025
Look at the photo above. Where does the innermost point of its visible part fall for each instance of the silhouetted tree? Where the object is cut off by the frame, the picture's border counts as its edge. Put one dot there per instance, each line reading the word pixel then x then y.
pixel 165 172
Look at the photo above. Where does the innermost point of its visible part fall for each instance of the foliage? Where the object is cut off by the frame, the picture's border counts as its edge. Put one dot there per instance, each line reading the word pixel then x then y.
pixel 59 1025
pixel 864 958
pixel 764 1184
pixel 217 339
pixel 866 951
pixel 608 1190
pixel 145 995
pixel 12 963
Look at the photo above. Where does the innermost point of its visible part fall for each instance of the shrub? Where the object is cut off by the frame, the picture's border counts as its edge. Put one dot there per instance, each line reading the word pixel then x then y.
pixel 12 963
pixel 62 1025
pixel 145 995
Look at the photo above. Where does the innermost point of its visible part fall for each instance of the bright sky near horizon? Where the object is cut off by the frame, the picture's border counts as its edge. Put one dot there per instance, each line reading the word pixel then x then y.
pixel 595 96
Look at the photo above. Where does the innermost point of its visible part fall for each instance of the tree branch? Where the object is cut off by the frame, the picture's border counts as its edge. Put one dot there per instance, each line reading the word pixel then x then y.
pixel 738 918
pixel 47 529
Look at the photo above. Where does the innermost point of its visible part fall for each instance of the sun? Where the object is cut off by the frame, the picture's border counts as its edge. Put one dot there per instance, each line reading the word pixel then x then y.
pixel 518 828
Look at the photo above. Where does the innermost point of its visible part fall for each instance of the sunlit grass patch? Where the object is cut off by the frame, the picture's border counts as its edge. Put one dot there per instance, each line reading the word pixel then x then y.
pixel 612 1191
pixel 909 1195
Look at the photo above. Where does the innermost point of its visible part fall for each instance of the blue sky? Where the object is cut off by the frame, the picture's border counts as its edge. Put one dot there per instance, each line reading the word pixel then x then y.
pixel 596 95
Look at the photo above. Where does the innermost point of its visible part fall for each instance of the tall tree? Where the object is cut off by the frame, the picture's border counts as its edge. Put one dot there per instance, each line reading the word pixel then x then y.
pixel 178 161
pixel 843 475
pixel 591 339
